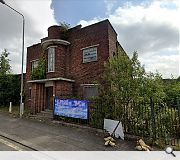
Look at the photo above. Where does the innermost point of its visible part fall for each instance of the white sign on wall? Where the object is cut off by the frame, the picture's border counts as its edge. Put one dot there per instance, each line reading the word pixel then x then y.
pixel 90 55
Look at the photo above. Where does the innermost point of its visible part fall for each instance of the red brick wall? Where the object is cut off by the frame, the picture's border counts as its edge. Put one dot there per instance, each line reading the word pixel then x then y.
pixel 63 89
pixel 100 34
pixel 34 52
pixel 37 101
pixel 112 40
pixel 54 32
pixel 69 59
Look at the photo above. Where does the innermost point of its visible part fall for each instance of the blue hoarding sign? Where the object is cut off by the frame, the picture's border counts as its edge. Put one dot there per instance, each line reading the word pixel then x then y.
pixel 71 108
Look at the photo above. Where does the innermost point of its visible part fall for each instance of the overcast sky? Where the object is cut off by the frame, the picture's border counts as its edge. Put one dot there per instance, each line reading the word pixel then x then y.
pixel 150 27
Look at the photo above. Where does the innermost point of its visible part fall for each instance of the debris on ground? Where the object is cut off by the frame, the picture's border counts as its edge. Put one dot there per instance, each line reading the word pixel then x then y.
pixel 109 141
pixel 142 146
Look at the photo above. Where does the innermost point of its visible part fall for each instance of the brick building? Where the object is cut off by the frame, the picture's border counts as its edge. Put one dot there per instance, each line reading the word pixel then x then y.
pixel 75 60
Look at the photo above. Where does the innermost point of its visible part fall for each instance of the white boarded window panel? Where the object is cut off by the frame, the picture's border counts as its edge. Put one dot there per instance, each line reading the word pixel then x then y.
pixel 90 55
pixel 51 59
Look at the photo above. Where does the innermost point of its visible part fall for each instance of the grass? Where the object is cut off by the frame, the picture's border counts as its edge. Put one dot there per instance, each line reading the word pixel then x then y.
pixel 160 143
pixel 176 148
pixel 15 111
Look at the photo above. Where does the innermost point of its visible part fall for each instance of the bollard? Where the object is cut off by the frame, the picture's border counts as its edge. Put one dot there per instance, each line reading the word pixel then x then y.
pixel 10 107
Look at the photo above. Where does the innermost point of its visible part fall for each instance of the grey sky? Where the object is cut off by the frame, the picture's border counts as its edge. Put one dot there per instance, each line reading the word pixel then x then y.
pixel 152 29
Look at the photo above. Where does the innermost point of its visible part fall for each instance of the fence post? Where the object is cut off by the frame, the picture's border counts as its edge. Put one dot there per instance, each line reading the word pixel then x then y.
pixel 124 118
pixel 153 119
pixel 178 107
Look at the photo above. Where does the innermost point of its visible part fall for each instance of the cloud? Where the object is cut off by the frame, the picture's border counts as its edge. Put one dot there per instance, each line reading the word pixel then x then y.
pixel 86 23
pixel 152 29
pixel 165 64
pixel 38 17
pixel 109 5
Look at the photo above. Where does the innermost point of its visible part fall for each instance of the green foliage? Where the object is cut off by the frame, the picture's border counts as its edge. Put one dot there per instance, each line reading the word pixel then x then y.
pixel 64 28
pixel 9 84
pixel 9 89
pixel 118 73
pixel 178 79
pixel 172 90
pixel 40 71
pixel 166 120
pixel 153 87
pixel 139 120
pixel 5 67
pixel 127 82
pixel 65 25
pixel 136 98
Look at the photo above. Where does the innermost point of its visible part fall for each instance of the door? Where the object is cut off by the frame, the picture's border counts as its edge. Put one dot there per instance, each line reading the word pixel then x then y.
pixel 49 100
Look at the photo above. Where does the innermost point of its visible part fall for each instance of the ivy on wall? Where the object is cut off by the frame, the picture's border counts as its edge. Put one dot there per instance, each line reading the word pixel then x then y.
pixel 40 71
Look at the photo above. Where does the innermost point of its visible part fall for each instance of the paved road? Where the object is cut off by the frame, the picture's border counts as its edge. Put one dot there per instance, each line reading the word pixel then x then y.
pixel 48 137
pixel 10 145
pixel 5 147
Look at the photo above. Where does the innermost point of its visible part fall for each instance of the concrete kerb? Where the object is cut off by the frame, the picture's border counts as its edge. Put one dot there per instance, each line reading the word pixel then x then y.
pixel 100 132
pixel 90 129
pixel 57 122
pixel 20 140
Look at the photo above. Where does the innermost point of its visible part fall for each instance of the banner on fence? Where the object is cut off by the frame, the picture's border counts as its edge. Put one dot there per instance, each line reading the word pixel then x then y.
pixel 71 108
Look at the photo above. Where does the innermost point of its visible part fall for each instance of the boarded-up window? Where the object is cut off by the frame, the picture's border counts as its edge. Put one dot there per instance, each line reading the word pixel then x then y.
pixel 34 64
pixel 30 93
pixel 90 91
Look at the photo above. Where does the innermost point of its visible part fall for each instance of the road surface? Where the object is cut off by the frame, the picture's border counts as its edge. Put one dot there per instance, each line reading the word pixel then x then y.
pixel 46 137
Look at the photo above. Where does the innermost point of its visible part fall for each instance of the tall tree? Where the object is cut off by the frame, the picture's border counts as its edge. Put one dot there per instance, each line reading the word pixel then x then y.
pixel 9 84
pixel 127 82
pixel 125 77
pixel 5 67
pixel 172 90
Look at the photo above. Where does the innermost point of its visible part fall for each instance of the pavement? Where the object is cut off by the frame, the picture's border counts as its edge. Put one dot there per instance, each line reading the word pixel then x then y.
pixel 56 137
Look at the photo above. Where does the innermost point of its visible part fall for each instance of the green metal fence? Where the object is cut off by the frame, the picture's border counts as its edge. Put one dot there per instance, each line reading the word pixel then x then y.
pixel 156 121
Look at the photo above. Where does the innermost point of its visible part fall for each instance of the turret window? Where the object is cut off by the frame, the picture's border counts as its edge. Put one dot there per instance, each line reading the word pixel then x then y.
pixel 51 59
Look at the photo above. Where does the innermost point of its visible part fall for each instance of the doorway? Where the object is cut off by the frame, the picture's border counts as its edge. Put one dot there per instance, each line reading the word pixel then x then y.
pixel 49 98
